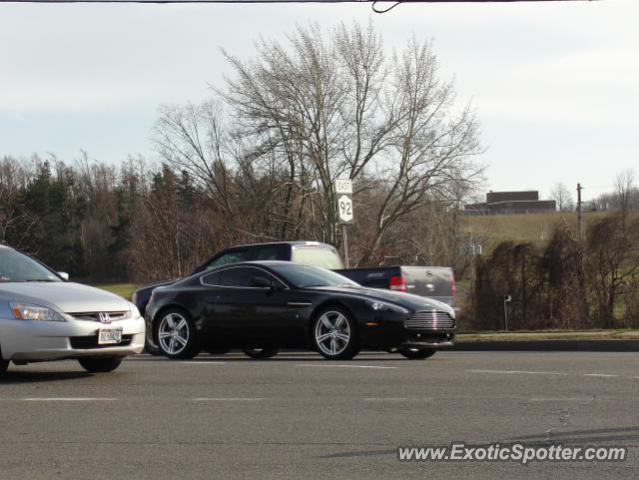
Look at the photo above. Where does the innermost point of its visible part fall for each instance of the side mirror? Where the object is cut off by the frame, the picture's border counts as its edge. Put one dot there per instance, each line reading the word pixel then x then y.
pixel 64 276
pixel 261 282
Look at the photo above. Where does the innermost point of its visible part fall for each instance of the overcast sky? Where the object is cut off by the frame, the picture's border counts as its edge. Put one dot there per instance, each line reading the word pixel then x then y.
pixel 555 85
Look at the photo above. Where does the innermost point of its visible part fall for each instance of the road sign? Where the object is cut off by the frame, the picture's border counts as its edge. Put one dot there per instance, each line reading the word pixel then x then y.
pixel 345 209
pixel 344 186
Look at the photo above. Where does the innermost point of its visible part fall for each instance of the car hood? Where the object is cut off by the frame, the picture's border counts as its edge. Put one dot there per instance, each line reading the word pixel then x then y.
pixel 65 297
pixel 406 300
pixel 152 286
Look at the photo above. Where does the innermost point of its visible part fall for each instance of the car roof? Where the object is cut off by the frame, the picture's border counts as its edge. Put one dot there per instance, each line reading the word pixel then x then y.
pixel 257 263
pixel 309 243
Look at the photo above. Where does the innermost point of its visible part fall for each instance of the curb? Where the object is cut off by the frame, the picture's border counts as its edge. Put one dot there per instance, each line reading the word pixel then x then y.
pixel 550 346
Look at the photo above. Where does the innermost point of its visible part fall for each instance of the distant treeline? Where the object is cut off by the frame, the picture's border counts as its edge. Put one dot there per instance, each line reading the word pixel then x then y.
pixel 138 222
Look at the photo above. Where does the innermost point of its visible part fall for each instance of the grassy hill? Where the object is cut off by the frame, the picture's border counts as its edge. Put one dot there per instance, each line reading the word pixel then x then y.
pixel 537 228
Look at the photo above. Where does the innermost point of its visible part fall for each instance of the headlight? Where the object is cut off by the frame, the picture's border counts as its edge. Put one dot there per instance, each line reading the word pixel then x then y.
pixel 135 313
pixel 383 306
pixel 29 311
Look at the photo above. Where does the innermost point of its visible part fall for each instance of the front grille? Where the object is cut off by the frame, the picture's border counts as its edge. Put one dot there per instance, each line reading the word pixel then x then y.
pixel 92 342
pixel 95 316
pixel 429 320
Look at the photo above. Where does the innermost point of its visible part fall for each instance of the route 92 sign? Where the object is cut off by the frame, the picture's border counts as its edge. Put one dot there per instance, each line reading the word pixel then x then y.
pixel 344 191
pixel 345 209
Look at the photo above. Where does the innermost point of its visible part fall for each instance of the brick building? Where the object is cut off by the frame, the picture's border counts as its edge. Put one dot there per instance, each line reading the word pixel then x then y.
pixel 510 203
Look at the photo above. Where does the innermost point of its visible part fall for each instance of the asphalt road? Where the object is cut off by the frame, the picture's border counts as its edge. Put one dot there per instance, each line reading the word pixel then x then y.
pixel 301 417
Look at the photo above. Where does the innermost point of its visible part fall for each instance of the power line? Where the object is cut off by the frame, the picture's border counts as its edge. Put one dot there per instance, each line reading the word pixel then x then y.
pixel 290 1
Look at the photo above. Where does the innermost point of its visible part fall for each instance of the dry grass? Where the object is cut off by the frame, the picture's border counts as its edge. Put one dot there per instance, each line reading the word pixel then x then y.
pixel 123 289
pixel 537 228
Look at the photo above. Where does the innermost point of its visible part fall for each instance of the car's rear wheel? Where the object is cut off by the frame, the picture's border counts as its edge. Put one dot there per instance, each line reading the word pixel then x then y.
pixel 261 353
pixel 218 351
pixel 4 364
pixel 176 335
pixel 335 334
pixel 100 364
pixel 417 353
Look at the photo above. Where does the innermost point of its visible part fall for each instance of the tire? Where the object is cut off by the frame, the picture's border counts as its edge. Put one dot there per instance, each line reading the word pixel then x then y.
pixel 4 364
pixel 100 364
pixel 152 350
pixel 176 335
pixel 218 351
pixel 334 334
pixel 261 353
pixel 417 353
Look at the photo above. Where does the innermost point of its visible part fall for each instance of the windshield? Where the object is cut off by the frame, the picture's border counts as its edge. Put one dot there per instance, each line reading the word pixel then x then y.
pixel 319 256
pixel 303 276
pixel 17 267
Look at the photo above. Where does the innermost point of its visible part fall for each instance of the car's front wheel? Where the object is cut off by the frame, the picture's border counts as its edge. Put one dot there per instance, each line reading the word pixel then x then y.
pixel 335 334
pixel 100 364
pixel 261 353
pixel 176 336
pixel 417 353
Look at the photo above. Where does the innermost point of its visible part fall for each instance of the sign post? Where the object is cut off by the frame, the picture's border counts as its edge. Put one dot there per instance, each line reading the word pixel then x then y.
pixel 344 193
pixel 507 300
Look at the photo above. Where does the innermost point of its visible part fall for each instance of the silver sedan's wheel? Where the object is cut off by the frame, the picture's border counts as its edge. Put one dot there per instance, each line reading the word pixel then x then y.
pixel 334 335
pixel 175 335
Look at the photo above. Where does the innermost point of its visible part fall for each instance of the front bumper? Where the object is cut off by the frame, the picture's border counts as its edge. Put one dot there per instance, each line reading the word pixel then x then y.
pixel 428 338
pixel 24 340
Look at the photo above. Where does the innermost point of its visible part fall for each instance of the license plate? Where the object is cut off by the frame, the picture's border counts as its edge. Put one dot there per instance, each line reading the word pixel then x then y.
pixel 109 336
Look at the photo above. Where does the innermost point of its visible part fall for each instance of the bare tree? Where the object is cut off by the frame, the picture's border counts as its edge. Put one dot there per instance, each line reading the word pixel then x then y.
pixel 325 107
pixel 193 138
pixel 625 190
pixel 560 194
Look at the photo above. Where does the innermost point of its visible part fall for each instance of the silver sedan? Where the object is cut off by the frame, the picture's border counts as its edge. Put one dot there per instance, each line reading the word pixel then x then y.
pixel 45 317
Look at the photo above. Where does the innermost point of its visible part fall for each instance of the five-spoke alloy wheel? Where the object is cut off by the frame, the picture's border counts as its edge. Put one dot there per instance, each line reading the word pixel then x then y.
pixel 335 334
pixel 176 336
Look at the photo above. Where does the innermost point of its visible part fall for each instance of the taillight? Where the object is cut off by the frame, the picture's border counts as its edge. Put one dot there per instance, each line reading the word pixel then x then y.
pixel 398 283
pixel 453 286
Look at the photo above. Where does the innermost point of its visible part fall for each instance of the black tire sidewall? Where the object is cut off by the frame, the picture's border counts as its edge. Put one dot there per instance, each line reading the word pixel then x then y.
pixel 421 354
pixel 353 346
pixel 265 353
pixel 100 364
pixel 192 348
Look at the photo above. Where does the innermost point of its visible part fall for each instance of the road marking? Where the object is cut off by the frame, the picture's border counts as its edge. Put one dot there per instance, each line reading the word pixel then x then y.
pixel 228 399
pixel 524 372
pixel 344 366
pixel 398 399
pixel 517 372
pixel 560 399
pixel 67 399
pixel 199 362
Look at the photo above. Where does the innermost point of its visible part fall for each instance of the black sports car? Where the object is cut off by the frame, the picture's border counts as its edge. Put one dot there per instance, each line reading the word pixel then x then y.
pixel 260 307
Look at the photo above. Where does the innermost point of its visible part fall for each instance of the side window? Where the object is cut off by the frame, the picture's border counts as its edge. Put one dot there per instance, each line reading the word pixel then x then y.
pixel 266 253
pixel 230 257
pixel 238 277
pixel 212 279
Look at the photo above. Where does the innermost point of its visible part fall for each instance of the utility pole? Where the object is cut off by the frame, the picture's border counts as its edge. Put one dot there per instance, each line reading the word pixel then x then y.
pixel 579 213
